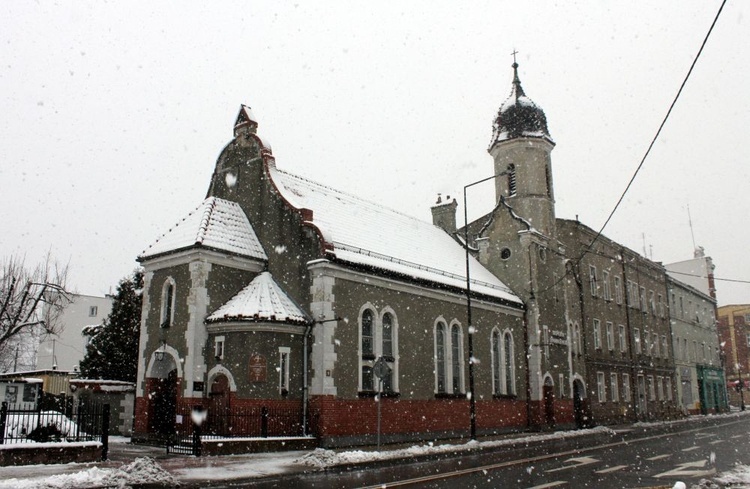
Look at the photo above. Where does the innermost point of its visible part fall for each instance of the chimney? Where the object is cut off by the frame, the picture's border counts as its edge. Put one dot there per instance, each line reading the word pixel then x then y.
pixel 444 214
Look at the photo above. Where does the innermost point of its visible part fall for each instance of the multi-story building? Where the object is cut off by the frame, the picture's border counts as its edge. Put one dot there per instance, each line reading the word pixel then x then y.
pixel 65 349
pixel 701 385
pixel 734 337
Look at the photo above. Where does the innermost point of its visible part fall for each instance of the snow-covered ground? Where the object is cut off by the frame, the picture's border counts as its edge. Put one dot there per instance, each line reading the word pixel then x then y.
pixel 171 470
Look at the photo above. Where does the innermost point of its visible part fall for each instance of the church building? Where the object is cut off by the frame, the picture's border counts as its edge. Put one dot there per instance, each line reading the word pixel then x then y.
pixel 323 311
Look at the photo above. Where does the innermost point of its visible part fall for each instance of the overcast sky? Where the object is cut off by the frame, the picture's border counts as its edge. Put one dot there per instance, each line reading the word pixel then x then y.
pixel 112 114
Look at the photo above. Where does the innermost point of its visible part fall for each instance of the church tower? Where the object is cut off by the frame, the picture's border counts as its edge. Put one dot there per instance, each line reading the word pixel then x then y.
pixel 518 242
pixel 521 147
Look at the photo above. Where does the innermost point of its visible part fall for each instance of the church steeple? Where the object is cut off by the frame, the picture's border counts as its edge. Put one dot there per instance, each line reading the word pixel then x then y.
pixel 521 147
pixel 518 116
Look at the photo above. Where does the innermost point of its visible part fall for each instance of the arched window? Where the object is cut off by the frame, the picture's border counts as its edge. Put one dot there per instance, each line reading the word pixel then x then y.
pixel 440 356
pixel 509 364
pixel 456 358
pixel 368 331
pixel 388 346
pixel 388 336
pixel 449 358
pixel 497 356
pixel 378 339
pixel 167 303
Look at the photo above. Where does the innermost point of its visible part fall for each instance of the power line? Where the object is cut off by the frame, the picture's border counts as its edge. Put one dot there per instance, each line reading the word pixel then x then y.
pixel 738 281
pixel 650 146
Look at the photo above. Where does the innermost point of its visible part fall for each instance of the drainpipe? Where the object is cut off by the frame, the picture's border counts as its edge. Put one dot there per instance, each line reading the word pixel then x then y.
pixel 305 387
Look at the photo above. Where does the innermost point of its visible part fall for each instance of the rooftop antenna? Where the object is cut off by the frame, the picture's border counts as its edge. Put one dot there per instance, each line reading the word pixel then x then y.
pixel 690 221
pixel 645 253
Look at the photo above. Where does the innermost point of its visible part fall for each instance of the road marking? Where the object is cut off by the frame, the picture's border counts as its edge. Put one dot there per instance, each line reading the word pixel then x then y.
pixel 690 449
pixel 611 469
pixel 510 463
pixel 659 457
pixel 577 462
pixel 739 436
pixel 688 470
pixel 704 435
pixel 715 442
pixel 551 484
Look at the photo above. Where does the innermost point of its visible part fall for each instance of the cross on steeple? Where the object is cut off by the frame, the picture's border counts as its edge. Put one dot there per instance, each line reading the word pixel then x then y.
pixel 514 56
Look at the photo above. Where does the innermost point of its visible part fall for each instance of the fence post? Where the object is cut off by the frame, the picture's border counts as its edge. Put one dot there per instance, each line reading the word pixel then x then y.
pixel 264 422
pixel 105 432
pixel 196 440
pixel 78 420
pixel 3 420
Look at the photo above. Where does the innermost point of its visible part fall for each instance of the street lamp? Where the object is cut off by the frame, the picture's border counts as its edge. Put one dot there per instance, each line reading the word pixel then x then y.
pixel 472 398
pixel 741 387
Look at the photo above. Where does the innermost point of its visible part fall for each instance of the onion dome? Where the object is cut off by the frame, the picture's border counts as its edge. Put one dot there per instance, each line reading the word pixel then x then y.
pixel 519 116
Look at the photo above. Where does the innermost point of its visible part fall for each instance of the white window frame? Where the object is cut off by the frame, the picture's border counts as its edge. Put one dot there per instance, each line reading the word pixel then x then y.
pixel 601 387
pixel 626 387
pixel 606 292
pixel 614 388
pixel 167 309
pixel 592 280
pixel 668 381
pixel 652 302
pixel 377 346
pixel 285 354
pixel 219 343
pixel 651 388
pixel 621 337
pixel 448 355
pixel 664 346
pixel 610 336
pixel 597 334
pixel 637 340
pixel 618 290
pixel 660 387
pixel 642 297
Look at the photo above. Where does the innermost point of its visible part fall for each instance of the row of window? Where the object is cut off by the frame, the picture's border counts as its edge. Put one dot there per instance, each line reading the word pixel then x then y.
pixel 379 339
pixel 696 352
pixel 659 388
pixel 636 294
pixel 693 313
pixel 651 345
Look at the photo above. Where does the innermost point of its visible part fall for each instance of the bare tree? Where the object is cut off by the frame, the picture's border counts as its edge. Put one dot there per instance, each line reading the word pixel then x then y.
pixel 31 301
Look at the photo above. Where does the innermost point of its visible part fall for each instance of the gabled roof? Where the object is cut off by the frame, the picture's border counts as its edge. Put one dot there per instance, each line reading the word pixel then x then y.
pixel 366 233
pixel 262 300
pixel 216 224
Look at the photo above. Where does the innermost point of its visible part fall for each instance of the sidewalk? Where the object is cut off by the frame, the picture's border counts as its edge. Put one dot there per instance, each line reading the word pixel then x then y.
pixel 142 464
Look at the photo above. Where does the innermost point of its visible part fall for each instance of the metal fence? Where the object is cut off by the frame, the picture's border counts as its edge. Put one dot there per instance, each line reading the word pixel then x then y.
pixel 241 422
pixel 84 422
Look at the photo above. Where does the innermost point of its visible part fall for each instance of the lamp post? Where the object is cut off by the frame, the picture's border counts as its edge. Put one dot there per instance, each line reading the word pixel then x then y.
pixel 741 387
pixel 472 398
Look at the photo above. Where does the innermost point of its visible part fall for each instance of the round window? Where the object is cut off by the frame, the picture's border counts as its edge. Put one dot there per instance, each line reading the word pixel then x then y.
pixel 505 253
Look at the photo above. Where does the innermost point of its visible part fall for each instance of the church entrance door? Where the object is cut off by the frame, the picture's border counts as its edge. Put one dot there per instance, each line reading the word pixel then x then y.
pixel 549 403
pixel 218 408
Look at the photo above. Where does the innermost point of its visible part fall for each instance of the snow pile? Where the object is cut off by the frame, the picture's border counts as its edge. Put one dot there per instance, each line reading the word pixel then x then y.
pixel 322 458
pixel 140 471
pixel 738 477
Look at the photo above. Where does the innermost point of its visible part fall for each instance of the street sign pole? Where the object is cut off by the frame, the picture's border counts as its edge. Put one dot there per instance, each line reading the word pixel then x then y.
pixel 380 370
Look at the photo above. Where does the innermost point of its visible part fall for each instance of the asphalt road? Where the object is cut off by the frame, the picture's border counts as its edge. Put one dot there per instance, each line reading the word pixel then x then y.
pixel 633 459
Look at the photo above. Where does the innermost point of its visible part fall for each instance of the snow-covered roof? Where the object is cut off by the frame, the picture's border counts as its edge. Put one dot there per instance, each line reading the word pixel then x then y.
pixel 262 300
pixel 367 233
pixel 217 224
